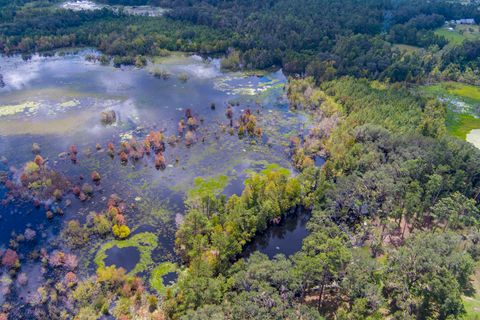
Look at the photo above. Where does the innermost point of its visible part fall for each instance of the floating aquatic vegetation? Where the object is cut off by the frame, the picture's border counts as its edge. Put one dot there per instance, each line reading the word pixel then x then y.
pixel 232 86
pixel 69 104
pixel 26 108
pixel 458 105
pixel 126 136
pixel 145 242
pixel 139 180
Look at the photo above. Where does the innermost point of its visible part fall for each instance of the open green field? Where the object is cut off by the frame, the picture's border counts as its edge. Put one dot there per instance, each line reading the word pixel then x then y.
pixel 465 92
pixel 459 125
pixel 406 48
pixel 460 33
pixel 463 103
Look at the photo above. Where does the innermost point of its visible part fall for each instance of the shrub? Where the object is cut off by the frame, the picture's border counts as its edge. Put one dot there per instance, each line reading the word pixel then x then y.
pixel 121 232
pixel 95 176
pixel 101 224
pixel 31 167
pixel 39 160
pixel 70 279
pixel 10 259
pixel 58 194
pixel 87 189
pixel 22 279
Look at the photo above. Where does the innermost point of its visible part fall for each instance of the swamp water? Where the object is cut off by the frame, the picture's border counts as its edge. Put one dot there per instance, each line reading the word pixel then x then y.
pixel 57 102
pixel 86 5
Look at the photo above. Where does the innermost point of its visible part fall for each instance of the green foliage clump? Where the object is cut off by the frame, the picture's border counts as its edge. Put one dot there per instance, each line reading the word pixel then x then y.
pixel 231 62
pixel 393 108
pixel 75 234
pixel 427 277
pixel 205 192
pixel 121 231
pixel 101 224
pixel 224 227
pixel 110 291
pixel 31 167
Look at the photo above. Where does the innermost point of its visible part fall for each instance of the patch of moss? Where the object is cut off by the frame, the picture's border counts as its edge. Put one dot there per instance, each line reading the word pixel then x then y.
pixel 156 277
pixel 145 243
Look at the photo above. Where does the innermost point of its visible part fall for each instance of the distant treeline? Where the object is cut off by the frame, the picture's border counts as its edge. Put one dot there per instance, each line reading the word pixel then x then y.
pixel 324 39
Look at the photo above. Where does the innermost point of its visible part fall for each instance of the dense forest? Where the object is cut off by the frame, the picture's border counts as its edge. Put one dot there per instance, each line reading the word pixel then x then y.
pixel 394 228
pixel 323 39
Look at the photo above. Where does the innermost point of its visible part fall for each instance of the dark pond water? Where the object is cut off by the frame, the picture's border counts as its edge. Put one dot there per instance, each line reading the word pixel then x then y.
pixel 170 278
pixel 284 238
pixel 126 258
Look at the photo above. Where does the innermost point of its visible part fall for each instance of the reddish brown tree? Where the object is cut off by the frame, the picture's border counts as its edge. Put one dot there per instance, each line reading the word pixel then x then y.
pixel 10 259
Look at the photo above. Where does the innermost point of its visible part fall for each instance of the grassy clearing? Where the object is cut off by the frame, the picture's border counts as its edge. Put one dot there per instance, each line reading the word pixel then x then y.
pixel 472 303
pixel 459 33
pixel 460 116
pixel 459 125
pixel 453 37
pixel 463 91
pixel 407 48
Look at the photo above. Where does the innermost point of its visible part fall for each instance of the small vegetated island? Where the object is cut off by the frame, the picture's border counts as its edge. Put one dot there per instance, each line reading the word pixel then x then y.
pixel 290 159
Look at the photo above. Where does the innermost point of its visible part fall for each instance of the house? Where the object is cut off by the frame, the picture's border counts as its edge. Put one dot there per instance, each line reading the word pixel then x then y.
pixel 463 21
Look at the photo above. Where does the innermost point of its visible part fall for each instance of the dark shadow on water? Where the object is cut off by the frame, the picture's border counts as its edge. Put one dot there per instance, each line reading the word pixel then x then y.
pixel 235 186
pixel 284 238
pixel 126 258
pixel 170 278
